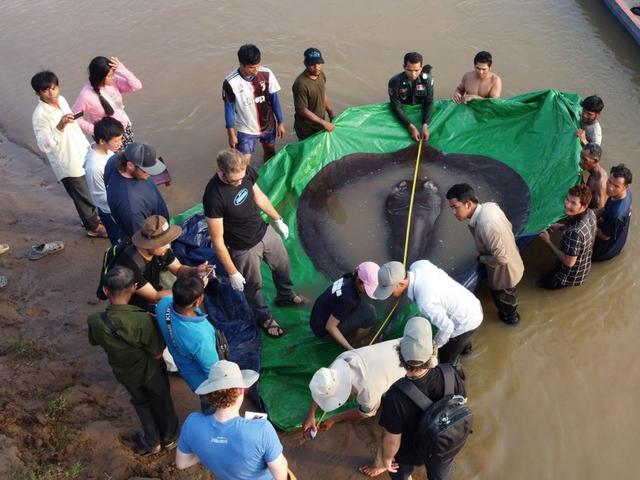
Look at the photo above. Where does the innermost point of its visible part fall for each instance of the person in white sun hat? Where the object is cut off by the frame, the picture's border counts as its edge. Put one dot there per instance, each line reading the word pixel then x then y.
pixel 366 373
pixel 231 446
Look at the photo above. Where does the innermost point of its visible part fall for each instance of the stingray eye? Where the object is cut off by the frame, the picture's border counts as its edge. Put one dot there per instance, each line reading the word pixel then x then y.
pixel 403 184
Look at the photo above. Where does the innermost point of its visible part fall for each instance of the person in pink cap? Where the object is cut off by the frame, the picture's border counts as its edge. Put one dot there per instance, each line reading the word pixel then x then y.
pixel 343 309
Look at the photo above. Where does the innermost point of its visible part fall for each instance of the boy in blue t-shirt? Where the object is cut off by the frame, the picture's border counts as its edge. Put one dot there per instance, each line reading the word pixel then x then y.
pixel 613 224
pixel 189 336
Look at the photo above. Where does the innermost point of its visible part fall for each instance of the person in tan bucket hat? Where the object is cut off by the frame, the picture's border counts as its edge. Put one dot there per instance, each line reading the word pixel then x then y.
pixel 149 255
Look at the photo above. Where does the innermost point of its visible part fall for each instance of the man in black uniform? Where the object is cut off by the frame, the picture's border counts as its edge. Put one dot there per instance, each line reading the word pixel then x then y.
pixel 232 203
pixel 400 415
pixel 411 87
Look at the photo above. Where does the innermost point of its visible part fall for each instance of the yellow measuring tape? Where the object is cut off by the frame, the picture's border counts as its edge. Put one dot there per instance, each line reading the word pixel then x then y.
pixel 313 435
pixel 321 418
pixel 406 240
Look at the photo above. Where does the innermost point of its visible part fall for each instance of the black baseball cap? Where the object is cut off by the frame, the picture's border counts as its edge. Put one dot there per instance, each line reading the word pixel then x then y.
pixel 143 155
pixel 312 56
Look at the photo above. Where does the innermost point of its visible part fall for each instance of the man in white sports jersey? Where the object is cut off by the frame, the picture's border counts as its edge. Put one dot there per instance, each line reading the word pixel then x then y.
pixel 252 109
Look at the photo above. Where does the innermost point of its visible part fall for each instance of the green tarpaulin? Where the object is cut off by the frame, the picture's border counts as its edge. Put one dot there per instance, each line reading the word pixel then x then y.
pixel 532 133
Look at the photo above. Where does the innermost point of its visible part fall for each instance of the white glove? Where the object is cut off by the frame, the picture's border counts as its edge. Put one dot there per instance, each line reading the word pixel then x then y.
pixel 237 281
pixel 281 228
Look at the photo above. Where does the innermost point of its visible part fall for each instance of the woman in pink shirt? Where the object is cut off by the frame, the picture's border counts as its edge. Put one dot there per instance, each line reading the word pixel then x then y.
pixel 102 95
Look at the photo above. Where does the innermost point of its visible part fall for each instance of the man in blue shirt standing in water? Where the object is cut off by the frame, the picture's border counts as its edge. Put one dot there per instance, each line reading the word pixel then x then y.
pixel 613 225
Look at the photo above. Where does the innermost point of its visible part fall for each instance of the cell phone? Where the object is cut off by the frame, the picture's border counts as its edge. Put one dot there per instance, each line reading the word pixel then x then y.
pixel 254 415
pixel 211 269
pixel 78 115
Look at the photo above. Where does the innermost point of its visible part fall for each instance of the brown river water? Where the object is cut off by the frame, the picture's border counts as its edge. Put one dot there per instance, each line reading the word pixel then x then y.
pixel 554 397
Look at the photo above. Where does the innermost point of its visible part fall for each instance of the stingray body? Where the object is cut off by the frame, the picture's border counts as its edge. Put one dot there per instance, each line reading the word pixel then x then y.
pixel 383 221
pixel 427 205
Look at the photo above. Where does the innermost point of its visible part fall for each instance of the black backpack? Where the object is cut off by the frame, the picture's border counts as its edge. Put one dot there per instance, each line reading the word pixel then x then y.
pixel 109 260
pixel 445 425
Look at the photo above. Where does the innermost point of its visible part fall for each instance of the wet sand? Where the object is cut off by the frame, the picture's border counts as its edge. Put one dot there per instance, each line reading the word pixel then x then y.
pixel 60 403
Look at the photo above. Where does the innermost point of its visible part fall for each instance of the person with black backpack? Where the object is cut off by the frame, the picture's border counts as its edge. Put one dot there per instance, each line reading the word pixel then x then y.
pixel 424 415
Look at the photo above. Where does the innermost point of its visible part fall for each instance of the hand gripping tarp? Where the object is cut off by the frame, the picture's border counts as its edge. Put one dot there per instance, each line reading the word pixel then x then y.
pixel 532 133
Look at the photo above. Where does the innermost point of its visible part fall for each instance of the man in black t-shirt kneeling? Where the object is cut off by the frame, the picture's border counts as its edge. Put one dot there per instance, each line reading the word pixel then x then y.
pixel 400 415
pixel 232 203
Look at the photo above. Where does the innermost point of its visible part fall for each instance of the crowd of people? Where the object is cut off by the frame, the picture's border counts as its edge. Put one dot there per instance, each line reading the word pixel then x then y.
pixel 154 301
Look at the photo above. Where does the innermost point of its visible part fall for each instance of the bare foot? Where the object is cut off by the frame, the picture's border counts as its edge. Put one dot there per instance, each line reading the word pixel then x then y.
pixel 371 470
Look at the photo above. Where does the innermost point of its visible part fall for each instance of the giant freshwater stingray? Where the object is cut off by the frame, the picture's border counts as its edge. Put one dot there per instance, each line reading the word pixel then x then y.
pixel 383 218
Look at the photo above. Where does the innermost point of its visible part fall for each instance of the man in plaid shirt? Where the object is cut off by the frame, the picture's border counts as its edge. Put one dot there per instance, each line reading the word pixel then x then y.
pixel 574 254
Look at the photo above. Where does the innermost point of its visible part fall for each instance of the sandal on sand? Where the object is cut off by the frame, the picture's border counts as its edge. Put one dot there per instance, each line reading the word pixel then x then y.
pixel 271 324
pixel 146 449
pixel 4 248
pixel 3 281
pixel 295 301
pixel 99 232
pixel 169 446
pixel 42 250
